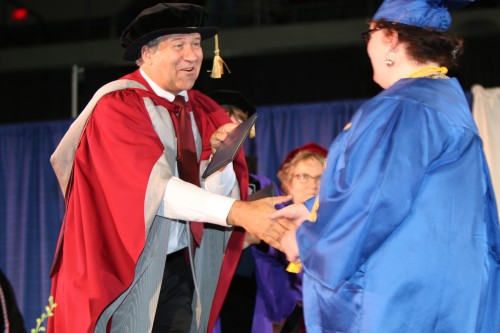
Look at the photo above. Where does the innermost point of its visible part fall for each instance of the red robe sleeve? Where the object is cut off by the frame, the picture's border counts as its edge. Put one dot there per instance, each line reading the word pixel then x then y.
pixel 104 230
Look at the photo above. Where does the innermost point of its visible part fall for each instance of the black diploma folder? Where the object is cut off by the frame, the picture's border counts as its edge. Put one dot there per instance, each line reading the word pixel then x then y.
pixel 230 147
pixel 266 192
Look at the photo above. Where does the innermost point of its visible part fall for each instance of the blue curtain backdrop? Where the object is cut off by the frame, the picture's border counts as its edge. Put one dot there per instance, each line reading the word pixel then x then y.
pixel 282 128
pixel 32 206
pixel 31 209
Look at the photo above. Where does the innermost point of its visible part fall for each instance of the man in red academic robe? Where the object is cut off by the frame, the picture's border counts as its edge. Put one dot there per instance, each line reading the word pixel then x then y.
pixel 121 263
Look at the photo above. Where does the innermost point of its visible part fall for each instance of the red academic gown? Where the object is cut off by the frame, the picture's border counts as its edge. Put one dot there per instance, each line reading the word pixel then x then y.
pixel 104 229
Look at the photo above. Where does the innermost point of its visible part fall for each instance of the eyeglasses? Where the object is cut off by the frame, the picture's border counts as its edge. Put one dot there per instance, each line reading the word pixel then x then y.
pixel 304 178
pixel 367 34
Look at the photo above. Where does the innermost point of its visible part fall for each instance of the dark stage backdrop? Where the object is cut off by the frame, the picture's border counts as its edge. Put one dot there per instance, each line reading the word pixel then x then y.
pixel 287 77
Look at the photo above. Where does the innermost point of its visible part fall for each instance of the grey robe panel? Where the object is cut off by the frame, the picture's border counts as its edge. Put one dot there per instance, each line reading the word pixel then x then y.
pixel 134 310
pixel 208 262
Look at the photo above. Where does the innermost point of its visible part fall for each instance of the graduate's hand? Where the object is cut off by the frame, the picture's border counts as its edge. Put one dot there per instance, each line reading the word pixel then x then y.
pixel 253 216
pixel 296 213
pixel 220 135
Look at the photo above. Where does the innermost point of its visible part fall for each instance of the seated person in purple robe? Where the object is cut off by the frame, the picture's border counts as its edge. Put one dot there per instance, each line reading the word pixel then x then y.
pixel 278 305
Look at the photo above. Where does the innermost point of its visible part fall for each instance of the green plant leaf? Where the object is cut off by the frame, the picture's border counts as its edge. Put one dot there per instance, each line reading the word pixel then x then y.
pixel 48 313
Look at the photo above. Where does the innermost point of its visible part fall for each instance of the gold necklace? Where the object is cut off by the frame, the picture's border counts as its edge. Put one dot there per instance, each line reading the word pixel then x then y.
pixel 428 71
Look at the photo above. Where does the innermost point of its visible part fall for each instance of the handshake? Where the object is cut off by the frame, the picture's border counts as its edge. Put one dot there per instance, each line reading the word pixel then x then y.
pixel 275 227
pixel 259 217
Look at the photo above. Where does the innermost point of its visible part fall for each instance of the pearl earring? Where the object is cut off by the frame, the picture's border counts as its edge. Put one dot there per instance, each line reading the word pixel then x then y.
pixel 390 58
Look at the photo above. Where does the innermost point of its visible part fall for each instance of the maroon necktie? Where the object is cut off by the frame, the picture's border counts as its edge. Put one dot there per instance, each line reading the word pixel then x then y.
pixel 188 162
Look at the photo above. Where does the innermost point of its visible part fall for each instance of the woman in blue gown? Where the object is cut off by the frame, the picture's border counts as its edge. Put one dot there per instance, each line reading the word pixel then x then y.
pixel 404 234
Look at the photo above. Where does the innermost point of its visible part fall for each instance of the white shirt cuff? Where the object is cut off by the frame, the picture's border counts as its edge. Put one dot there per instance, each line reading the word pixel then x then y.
pixel 187 202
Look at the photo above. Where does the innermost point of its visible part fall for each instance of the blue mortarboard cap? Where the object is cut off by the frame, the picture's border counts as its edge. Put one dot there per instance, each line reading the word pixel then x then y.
pixel 431 14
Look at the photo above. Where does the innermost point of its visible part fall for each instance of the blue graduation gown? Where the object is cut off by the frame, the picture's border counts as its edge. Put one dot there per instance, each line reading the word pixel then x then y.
pixel 407 236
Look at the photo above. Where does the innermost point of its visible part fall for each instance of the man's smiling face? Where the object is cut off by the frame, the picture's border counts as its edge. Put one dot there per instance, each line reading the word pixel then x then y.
pixel 174 64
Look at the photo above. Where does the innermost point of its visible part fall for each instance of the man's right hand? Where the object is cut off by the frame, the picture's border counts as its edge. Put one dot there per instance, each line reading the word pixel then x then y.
pixel 253 216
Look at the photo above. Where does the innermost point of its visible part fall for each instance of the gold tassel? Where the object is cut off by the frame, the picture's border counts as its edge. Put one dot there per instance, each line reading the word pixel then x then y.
pixel 219 64
pixel 252 132
pixel 294 267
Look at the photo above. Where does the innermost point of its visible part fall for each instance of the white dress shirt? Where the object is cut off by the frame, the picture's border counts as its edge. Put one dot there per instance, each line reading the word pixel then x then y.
pixel 184 201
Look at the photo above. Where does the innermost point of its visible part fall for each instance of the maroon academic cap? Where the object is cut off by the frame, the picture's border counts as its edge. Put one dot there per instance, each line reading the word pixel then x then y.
pixel 311 147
